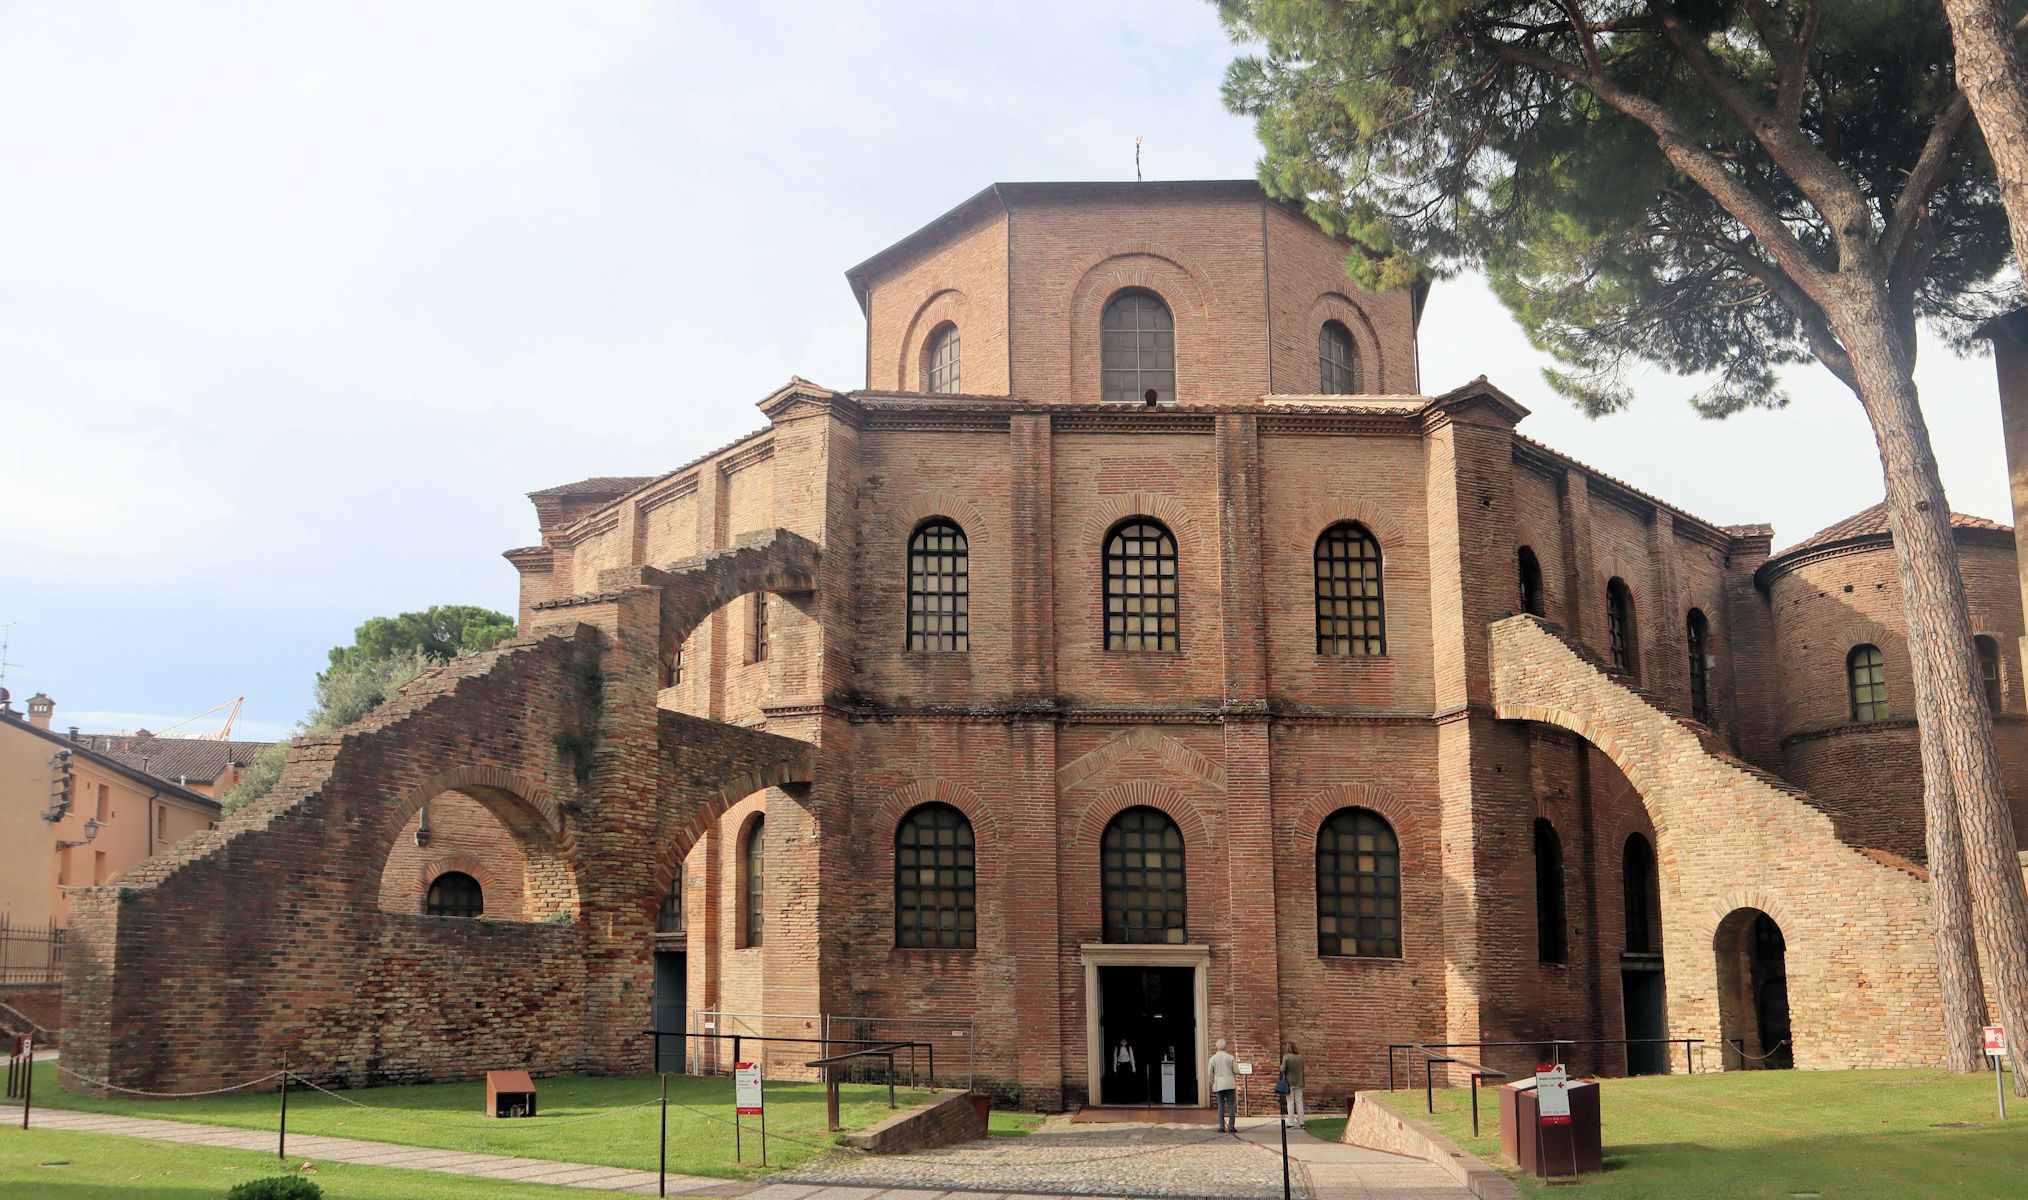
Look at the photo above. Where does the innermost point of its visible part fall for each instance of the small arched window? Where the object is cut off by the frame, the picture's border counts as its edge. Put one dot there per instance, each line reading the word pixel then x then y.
pixel 1550 946
pixel 1137 347
pixel 939 587
pixel 1531 582
pixel 455 894
pixel 1638 893
pixel 940 360
pixel 1866 677
pixel 1358 886
pixel 1141 875
pixel 1140 564
pixel 1697 640
pixel 756 881
pixel 670 919
pixel 1989 670
pixel 1349 615
pixel 758 651
pixel 935 879
pixel 1620 624
pixel 1337 360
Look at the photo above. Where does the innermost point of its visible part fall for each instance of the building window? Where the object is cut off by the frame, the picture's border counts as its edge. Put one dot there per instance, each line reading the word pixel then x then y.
pixel 670 919
pixel 940 360
pixel 756 880
pixel 1866 674
pixel 1141 587
pixel 1531 583
pixel 104 808
pixel 162 823
pixel 1337 361
pixel 1697 638
pixel 1137 348
pixel 454 894
pixel 1620 624
pixel 672 668
pixel 1989 669
pixel 939 587
pixel 1637 894
pixel 1141 864
pixel 935 879
pixel 1549 939
pixel 1349 616
pixel 1358 886
pixel 759 649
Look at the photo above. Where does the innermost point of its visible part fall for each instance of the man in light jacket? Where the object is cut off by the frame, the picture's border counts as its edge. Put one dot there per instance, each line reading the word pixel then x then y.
pixel 1224 1076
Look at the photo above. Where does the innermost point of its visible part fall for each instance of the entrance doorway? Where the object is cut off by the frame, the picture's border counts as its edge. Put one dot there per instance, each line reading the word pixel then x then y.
pixel 671 979
pixel 1641 1004
pixel 1147 1035
pixel 1753 991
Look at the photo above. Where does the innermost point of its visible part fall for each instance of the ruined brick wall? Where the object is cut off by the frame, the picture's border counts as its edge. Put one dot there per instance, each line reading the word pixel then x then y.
pixel 463 837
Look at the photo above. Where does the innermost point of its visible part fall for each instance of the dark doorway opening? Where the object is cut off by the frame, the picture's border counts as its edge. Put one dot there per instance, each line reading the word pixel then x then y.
pixel 1753 991
pixel 670 982
pixel 1147 1017
pixel 1641 1003
pixel 1771 992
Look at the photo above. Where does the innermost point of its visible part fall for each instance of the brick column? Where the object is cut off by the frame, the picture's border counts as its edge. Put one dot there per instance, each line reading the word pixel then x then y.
pixel 1664 654
pixel 1584 605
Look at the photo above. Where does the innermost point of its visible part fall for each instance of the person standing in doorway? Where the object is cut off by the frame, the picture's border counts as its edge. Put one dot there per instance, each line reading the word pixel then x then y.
pixel 1224 1075
pixel 1292 1072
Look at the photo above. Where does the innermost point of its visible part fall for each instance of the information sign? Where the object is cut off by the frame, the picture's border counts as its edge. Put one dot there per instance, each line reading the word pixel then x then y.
pixel 1242 1068
pixel 1996 1041
pixel 1552 1102
pixel 746 1089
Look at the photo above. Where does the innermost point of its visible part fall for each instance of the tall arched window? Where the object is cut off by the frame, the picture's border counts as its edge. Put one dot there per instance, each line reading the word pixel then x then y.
pixel 935 879
pixel 1989 670
pixel 1697 639
pixel 758 652
pixel 1337 360
pixel 756 881
pixel 1550 946
pixel 1358 886
pixel 1141 874
pixel 1141 586
pixel 1620 624
pixel 670 919
pixel 1137 347
pixel 1531 583
pixel 454 894
pixel 939 587
pixel 1866 677
pixel 1349 615
pixel 940 360
pixel 1638 893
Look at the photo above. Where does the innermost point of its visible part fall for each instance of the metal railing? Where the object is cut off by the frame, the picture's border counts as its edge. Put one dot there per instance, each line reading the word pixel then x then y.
pixel 30 953
pixel 1476 1072
pixel 712 1030
pixel 954 1039
pixel 1549 1048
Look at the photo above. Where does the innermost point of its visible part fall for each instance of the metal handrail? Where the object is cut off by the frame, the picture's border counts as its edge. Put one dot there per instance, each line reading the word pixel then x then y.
pixel 1551 1044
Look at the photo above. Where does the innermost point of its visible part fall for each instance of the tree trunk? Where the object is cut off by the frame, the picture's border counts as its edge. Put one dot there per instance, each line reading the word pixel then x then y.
pixel 1957 952
pixel 1992 76
pixel 1950 702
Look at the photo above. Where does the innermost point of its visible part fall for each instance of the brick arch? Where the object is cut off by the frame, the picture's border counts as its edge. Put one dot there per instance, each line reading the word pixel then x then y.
pixel 694 588
pixel 678 843
pixel 1637 775
pixel 1337 306
pixel 1109 511
pixel 1400 816
pixel 941 304
pixel 490 779
pixel 903 519
pixel 1162 271
pixel 1319 515
pixel 554 877
pixel 989 868
pixel 1139 793
pixel 916 793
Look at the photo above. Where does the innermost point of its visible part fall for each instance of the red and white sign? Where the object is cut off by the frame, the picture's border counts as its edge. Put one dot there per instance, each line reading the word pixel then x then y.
pixel 1996 1041
pixel 28 1045
pixel 1552 1102
pixel 746 1089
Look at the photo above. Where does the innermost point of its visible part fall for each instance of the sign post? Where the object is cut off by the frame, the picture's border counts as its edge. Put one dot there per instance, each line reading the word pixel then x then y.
pixel 28 1086
pixel 749 1101
pixel 1552 1107
pixel 1995 1039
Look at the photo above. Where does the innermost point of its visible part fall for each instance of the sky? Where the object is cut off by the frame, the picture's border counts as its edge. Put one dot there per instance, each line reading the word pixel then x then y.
pixel 297 301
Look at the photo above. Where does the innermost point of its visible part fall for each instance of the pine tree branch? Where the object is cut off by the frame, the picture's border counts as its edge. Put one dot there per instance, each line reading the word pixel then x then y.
pixel 1911 204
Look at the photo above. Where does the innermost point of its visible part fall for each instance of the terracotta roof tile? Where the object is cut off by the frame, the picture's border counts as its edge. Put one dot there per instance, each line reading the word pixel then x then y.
pixel 1872 522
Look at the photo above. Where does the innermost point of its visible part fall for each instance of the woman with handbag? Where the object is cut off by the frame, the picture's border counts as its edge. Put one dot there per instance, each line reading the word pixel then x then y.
pixel 1290 1088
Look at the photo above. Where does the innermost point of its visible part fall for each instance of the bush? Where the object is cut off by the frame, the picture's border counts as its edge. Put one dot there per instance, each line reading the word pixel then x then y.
pixel 276 1187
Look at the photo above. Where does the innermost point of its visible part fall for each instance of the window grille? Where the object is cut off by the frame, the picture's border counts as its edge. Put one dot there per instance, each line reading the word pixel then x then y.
pixel 935 879
pixel 454 894
pixel 939 588
pixel 940 360
pixel 1137 348
pixel 1141 866
pixel 1358 886
pixel 1337 361
pixel 1866 672
pixel 1350 620
pixel 1141 586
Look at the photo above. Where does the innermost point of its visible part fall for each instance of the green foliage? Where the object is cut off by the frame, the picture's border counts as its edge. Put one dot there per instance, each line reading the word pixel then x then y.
pixel 259 777
pixel 276 1187
pixel 349 691
pixel 442 632
pixel 1441 135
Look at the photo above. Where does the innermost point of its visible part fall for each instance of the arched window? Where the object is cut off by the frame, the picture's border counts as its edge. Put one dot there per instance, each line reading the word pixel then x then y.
pixel 935 882
pixel 1349 616
pixel 1866 676
pixel 940 359
pixel 1989 669
pixel 939 587
pixel 1549 934
pixel 1141 873
pixel 1358 886
pixel 1620 624
pixel 1137 347
pixel 756 880
pixel 1531 583
pixel 759 650
pixel 1337 360
pixel 670 919
pixel 1141 586
pixel 1697 639
pixel 1638 893
pixel 454 894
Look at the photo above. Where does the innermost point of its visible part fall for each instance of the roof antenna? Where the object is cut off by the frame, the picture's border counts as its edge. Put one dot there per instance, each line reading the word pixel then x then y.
pixel 1137 158
pixel 6 640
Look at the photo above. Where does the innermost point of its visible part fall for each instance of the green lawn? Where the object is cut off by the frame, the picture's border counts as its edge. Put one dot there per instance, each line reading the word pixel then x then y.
pixel 1778 1133
pixel 1006 1123
pixel 451 1116
pixel 1328 1128
pixel 54 1164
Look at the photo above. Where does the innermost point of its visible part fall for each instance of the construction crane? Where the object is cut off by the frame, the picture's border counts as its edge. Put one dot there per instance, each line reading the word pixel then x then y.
pixel 221 735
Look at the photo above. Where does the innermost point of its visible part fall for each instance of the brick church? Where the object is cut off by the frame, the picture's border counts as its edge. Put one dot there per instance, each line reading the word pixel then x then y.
pixel 1140 658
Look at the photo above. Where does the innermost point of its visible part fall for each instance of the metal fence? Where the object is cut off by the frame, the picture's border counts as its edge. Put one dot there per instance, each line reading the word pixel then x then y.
pixel 953 1039
pixel 784 1060
pixel 30 953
